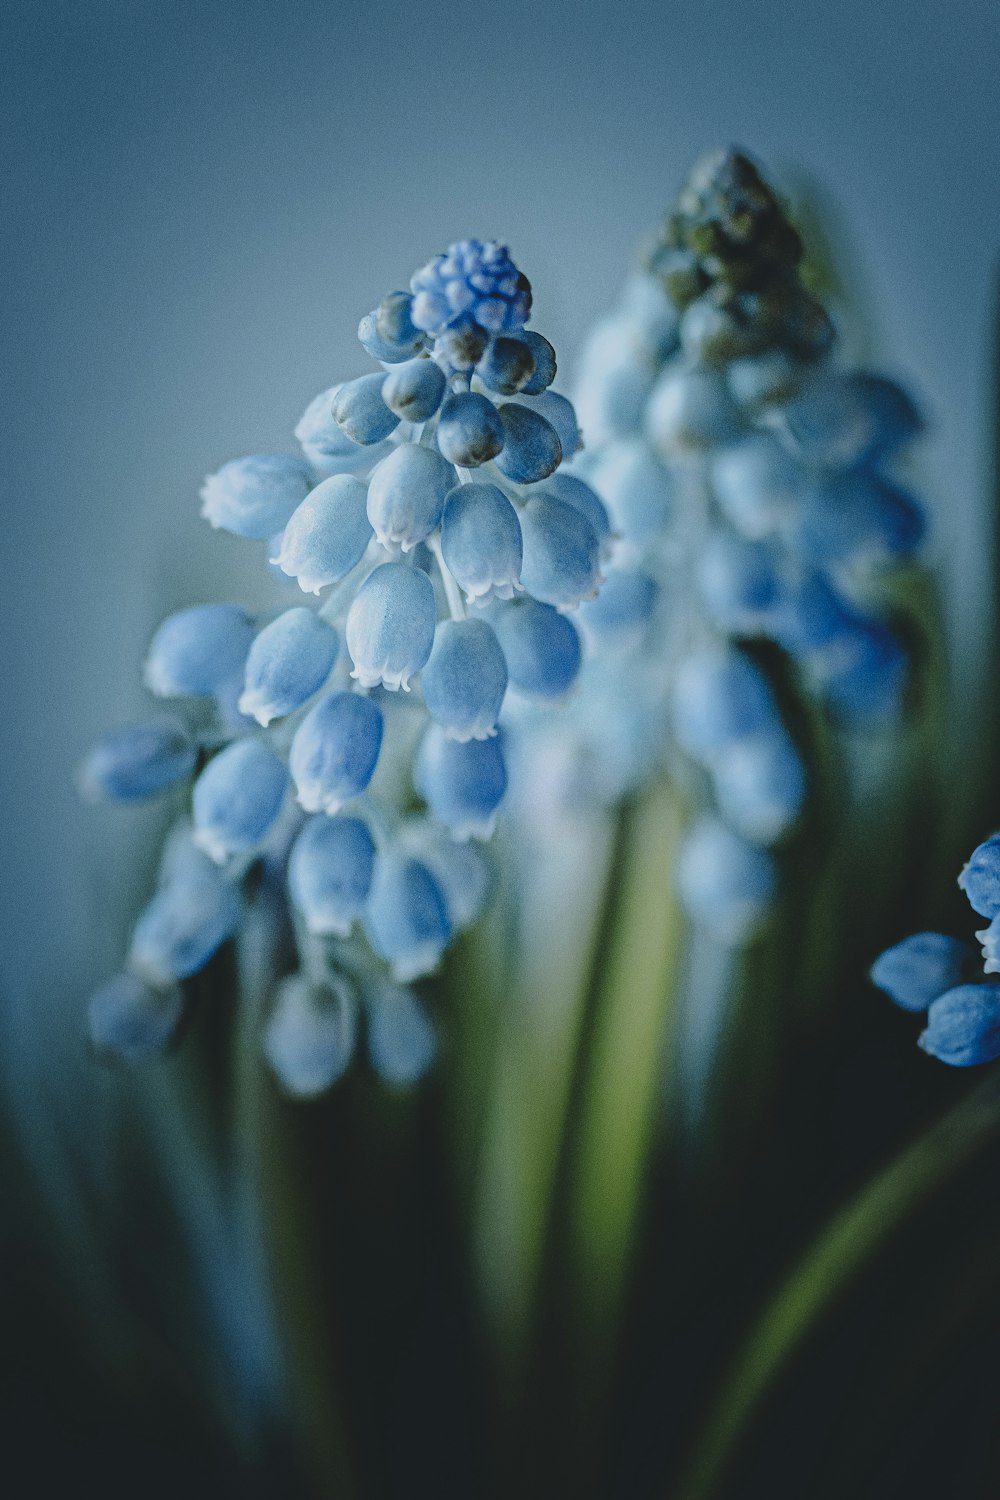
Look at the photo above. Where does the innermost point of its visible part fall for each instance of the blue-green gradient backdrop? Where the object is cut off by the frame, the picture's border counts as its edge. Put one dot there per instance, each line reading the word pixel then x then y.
pixel 202 199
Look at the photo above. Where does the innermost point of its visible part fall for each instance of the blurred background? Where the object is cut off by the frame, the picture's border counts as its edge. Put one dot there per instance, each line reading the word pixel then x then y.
pixel 202 199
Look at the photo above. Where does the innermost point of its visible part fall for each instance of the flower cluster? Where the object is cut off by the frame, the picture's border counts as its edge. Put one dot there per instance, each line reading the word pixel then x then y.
pixel 943 976
pixel 429 512
pixel 746 476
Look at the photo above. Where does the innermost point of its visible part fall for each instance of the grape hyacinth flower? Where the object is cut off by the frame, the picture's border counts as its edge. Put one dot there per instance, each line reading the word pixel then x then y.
pixel 441 553
pixel 940 975
pixel 753 520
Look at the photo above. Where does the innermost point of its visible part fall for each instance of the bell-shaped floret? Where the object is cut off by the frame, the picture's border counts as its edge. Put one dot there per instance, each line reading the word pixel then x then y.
pixel 561 553
pixel 139 761
pixel 465 679
pixel 980 878
pixel 254 497
pixel 402 1043
pixel 406 495
pixel 414 390
pixel 857 520
pixel 192 914
pixel 463 784
pixel 614 379
pixel 390 626
pixel 461 870
pixel 288 662
pixel 361 413
pixel 375 340
pixel 844 418
pixel 407 919
pixel 635 487
pixel 760 786
pixel 758 484
pixel 920 968
pixel 541 646
pixel 963 1026
pixel 335 751
pixel 560 414
pixel 470 431
pixel 544 357
pixel 741 583
pixel 324 442
pixel 989 937
pixel 327 534
pixel 726 884
pixel 131 1021
pixel 690 411
pixel 196 651
pixel 330 873
pixel 867 686
pixel 531 448
pixel 623 607
pixel 237 799
pixel 507 366
pixel 481 542
pixel 310 1037
pixel 765 379
pixel 719 696
pixel 573 491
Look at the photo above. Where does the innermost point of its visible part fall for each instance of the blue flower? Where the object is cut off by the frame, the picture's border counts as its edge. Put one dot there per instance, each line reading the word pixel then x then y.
pixel 507 366
pixel 718 697
pixel 327 534
pixel 470 430
pixel 463 784
pixel 843 418
pixel 465 679
pixel 636 488
pixel 254 497
pixel 361 413
pixel 309 1039
pixel 623 607
pixel 390 626
pixel 963 1026
pixel 197 651
pixel 192 914
pixel 572 490
pixel 406 495
pixel 402 1043
pixel 330 872
pixel 760 785
pixel 414 390
pixel 920 968
pixel 541 646
pixel 475 282
pixel 461 870
pixel 407 917
pixel 130 764
pixel 288 663
pixel 335 751
pixel 131 1021
pixel 727 885
pixel 690 411
pixel 980 878
pixel 237 798
pixel 758 484
pixel 561 553
pixel 531 449
pixel 324 442
pixel 481 542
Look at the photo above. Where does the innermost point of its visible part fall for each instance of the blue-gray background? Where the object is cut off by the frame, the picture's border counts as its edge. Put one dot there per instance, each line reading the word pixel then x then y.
pixel 202 199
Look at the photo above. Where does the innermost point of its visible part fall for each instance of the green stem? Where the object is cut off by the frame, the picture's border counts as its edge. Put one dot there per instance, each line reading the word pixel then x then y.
pixel 561 901
pixel 633 1004
pixel 840 1252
